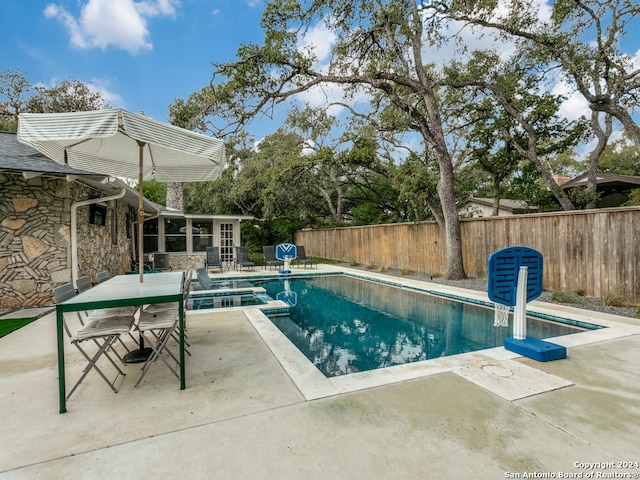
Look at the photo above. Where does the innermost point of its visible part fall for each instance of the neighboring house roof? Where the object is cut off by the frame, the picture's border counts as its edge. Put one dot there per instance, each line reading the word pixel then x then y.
pixel 505 204
pixel 609 179
pixel 17 157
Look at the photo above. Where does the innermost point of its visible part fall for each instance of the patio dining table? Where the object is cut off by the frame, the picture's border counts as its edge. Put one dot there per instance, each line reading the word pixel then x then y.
pixel 123 291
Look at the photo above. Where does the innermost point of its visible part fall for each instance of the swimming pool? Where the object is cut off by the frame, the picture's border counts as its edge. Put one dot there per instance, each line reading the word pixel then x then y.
pixel 344 324
pixel 225 294
pixel 206 301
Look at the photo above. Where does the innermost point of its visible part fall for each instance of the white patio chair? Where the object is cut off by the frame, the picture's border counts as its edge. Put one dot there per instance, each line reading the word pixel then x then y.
pixel 102 332
pixel 163 322
pixel 103 276
pixel 172 307
pixel 82 285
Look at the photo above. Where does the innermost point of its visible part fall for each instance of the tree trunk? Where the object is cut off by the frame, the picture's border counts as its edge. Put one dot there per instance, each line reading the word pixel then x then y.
pixel 556 189
pixel 594 156
pixel 532 148
pixel 453 237
pixel 433 134
pixel 625 119
pixel 436 211
pixel 496 198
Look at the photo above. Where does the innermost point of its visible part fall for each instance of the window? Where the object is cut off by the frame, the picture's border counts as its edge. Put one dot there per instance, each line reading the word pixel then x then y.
pixel 226 242
pixel 150 235
pixel 98 214
pixel 202 235
pixel 175 235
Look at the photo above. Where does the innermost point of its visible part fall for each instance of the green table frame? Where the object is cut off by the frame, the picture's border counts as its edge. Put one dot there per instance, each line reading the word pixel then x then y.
pixel 123 291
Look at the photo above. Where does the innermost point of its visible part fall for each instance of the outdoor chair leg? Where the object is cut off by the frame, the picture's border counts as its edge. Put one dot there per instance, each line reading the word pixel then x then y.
pixel 92 364
pixel 157 350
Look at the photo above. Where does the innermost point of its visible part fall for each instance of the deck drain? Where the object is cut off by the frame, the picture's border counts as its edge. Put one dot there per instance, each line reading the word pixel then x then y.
pixel 497 370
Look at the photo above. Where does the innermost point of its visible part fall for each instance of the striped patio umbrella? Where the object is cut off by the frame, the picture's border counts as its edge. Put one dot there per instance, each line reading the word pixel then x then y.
pixel 123 144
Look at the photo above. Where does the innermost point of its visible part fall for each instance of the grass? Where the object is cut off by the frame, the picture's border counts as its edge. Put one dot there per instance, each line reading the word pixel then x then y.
pixel 328 261
pixel 12 324
pixel 562 296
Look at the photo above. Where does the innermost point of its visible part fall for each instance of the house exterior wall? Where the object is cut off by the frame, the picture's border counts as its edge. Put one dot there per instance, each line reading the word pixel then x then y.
pixel 35 238
pixel 478 210
pixel 100 247
pixel 186 261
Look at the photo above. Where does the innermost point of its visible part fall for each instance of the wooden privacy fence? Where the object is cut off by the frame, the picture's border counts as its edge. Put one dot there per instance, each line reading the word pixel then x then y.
pixel 590 250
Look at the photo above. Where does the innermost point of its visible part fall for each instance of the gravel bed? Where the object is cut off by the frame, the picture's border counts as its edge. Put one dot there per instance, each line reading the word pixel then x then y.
pixel 589 303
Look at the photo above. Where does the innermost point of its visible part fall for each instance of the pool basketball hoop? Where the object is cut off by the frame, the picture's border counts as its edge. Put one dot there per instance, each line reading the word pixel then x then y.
pixel 514 279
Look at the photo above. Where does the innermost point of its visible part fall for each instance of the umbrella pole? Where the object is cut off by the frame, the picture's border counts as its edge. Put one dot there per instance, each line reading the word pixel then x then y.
pixel 142 353
pixel 140 215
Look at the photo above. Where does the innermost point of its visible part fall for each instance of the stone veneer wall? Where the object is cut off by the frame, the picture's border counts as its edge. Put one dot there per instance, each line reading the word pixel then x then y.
pixel 35 238
pixel 180 261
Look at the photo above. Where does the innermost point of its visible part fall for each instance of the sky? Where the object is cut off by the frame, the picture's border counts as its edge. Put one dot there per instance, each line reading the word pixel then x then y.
pixel 143 54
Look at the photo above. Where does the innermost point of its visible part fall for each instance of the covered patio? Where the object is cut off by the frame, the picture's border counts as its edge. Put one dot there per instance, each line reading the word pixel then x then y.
pixel 244 415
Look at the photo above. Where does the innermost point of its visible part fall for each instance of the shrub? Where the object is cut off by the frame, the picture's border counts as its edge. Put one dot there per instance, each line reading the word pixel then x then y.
pixel 562 296
pixel 618 298
pixel 407 271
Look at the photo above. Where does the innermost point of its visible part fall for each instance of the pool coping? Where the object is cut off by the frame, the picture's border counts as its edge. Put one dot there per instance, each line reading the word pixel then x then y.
pixel 495 369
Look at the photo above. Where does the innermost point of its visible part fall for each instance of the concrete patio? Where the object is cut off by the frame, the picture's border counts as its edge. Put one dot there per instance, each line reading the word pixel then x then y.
pixel 254 409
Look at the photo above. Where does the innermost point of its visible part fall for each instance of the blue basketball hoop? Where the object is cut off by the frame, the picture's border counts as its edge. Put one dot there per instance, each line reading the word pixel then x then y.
pixel 508 268
pixel 286 252
pixel 504 266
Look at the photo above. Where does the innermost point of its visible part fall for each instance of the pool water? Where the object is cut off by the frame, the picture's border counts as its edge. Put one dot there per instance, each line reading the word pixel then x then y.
pixel 345 325
pixel 224 294
pixel 223 284
pixel 206 302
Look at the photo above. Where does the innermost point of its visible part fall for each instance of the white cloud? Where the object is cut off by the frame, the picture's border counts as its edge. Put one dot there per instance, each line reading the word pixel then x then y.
pixel 635 61
pixel 575 105
pixel 477 38
pixel 323 95
pixel 102 87
pixel 319 39
pixel 165 8
pixel 118 23
pixel 308 148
